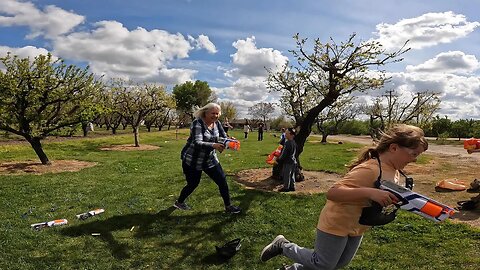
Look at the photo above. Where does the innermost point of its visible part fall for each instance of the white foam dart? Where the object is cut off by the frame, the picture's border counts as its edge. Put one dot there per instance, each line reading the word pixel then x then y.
pixel 89 214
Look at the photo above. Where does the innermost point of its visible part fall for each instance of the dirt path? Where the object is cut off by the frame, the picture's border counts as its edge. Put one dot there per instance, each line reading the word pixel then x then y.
pixel 449 150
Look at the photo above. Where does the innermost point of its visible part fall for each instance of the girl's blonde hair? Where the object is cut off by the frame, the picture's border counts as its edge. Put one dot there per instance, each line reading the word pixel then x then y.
pixel 203 110
pixel 404 135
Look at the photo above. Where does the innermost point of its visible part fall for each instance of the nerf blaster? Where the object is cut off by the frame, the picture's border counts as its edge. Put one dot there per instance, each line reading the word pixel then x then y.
pixel 417 203
pixel 272 158
pixel 88 214
pixel 472 145
pixel 231 143
pixel 41 225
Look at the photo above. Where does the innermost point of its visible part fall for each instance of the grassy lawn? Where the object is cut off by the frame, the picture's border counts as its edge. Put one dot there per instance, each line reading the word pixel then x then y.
pixel 140 230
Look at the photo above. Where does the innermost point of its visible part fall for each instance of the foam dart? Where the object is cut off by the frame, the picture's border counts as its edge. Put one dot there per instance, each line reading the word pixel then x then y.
pixel 92 213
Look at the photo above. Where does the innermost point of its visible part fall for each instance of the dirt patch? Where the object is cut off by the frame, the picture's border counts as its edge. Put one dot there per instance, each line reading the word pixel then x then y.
pixel 315 182
pixel 425 176
pixel 32 167
pixel 448 162
pixel 130 147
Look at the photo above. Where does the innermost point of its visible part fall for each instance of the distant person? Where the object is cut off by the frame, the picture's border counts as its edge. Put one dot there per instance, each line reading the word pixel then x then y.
pixel 226 125
pixel 261 126
pixel 339 232
pixel 246 129
pixel 282 137
pixel 287 158
pixel 199 154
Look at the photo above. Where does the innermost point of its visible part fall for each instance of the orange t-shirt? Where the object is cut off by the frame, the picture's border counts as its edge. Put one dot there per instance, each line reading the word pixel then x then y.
pixel 341 218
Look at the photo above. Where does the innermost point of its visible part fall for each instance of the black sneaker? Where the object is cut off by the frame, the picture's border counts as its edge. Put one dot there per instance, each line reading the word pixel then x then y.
pixel 232 209
pixel 181 206
pixel 273 249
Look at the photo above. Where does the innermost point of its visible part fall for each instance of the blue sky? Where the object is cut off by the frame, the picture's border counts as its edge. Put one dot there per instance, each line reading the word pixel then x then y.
pixel 229 43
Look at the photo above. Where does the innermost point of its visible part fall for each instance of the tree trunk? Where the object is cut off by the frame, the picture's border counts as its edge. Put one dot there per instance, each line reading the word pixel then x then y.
pixel 37 147
pixel 308 121
pixel 85 129
pixel 135 134
pixel 114 130
pixel 324 137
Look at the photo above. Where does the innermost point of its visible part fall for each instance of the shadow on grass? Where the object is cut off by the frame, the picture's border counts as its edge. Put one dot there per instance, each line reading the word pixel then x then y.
pixel 105 228
pixel 187 234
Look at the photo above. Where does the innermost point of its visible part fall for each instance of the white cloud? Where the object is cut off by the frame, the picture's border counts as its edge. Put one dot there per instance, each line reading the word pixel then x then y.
pixel 460 95
pixel 252 61
pixel 449 62
pixel 249 75
pixel 426 30
pixel 203 42
pixel 174 76
pixel 50 22
pixel 24 52
pixel 113 50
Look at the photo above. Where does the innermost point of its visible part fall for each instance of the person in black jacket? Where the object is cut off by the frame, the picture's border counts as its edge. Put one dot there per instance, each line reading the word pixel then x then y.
pixel 261 127
pixel 199 154
pixel 287 157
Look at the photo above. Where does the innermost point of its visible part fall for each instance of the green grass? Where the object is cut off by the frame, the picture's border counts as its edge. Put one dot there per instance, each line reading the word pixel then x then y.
pixel 137 190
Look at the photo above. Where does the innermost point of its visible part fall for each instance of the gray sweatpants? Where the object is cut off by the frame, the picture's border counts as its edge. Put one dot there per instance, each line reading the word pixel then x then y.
pixel 288 175
pixel 331 252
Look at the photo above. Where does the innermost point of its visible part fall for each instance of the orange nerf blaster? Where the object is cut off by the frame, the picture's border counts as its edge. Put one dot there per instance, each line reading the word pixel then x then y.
pixel 417 203
pixel 232 144
pixel 41 225
pixel 272 158
pixel 472 145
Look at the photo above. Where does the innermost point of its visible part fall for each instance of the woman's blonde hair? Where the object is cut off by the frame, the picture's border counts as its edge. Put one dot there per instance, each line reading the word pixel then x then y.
pixel 404 135
pixel 203 110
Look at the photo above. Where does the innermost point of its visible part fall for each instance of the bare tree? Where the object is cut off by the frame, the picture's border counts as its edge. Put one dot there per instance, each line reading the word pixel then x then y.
pixel 137 101
pixel 331 70
pixel 334 116
pixel 262 110
pixel 390 109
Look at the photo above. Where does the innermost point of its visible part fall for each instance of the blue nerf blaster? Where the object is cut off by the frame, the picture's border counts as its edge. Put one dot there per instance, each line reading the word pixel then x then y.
pixel 417 203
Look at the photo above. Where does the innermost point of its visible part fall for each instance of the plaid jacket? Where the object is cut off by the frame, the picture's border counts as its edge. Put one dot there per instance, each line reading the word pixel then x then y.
pixel 199 152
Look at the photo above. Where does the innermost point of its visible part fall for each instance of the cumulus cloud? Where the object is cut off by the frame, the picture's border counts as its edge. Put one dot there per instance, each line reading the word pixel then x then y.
pixel 426 30
pixel 449 62
pixel 252 61
pixel 23 52
pixel 49 22
pixel 249 74
pixel 113 50
pixel 203 42
pixel 460 94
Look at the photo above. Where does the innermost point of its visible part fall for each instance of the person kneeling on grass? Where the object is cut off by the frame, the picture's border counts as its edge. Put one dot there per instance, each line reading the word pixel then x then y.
pixel 339 232
pixel 199 154
pixel 289 162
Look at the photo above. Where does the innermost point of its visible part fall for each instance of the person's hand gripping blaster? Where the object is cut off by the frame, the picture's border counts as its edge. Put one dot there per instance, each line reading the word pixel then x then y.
pixel 231 143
